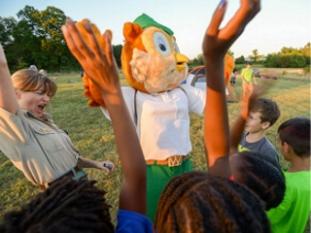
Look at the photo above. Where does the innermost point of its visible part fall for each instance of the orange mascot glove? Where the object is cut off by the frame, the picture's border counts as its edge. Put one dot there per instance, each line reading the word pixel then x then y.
pixel 91 90
pixel 229 66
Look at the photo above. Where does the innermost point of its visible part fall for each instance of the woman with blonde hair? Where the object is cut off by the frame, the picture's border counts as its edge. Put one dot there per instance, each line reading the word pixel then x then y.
pixel 28 135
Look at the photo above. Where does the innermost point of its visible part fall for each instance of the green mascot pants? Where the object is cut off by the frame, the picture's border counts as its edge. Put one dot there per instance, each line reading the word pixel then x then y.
pixel 158 177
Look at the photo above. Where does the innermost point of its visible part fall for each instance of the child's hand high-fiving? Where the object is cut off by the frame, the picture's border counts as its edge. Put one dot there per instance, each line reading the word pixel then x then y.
pixel 218 41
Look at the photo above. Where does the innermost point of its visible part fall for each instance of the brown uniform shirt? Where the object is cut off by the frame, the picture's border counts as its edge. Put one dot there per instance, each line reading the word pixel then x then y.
pixel 41 150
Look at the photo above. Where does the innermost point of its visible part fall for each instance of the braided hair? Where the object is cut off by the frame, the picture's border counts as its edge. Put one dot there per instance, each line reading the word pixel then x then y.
pixel 66 206
pixel 198 202
pixel 262 174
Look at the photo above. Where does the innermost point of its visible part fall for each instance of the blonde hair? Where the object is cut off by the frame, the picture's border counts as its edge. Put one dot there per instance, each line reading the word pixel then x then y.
pixel 33 80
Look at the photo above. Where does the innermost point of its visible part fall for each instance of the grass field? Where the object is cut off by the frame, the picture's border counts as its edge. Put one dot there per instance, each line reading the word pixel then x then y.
pixel 93 136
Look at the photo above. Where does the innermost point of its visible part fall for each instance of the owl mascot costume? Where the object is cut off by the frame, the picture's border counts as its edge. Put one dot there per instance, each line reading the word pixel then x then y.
pixel 157 101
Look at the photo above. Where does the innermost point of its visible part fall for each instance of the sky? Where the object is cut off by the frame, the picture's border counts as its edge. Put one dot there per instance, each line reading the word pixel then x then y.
pixel 281 23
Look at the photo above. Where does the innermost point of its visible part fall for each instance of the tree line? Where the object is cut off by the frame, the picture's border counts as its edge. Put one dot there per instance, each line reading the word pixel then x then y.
pixel 35 38
pixel 287 57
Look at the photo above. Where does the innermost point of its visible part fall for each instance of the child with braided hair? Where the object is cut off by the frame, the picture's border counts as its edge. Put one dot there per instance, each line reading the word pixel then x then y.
pixel 261 174
pixel 55 210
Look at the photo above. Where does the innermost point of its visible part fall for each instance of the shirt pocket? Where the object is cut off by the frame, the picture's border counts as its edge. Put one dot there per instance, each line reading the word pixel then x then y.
pixel 50 140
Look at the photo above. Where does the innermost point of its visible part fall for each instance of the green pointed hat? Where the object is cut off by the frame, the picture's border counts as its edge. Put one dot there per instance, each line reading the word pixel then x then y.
pixel 146 21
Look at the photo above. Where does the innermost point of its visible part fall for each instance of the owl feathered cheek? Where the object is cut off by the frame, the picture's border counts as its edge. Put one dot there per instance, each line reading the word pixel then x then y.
pixel 139 65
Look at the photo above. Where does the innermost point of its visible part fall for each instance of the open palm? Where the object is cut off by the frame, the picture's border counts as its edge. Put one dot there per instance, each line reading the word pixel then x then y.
pixel 219 40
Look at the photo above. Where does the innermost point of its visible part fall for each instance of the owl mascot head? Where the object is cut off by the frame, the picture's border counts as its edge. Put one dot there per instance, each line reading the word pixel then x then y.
pixel 151 61
pixel 150 58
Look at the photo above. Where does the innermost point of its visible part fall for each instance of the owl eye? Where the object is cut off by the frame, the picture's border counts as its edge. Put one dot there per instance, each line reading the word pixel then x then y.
pixel 161 43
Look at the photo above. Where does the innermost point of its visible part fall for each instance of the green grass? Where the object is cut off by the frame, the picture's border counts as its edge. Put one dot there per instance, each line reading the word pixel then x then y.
pixel 93 136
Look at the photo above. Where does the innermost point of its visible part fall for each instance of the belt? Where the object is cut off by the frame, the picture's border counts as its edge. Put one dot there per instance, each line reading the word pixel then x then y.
pixel 172 161
pixel 75 173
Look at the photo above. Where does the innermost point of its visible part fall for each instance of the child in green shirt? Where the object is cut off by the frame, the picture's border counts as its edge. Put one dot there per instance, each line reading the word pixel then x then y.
pixel 292 214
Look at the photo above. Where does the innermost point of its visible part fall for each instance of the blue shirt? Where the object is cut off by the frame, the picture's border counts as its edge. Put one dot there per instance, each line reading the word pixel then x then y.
pixel 263 146
pixel 132 222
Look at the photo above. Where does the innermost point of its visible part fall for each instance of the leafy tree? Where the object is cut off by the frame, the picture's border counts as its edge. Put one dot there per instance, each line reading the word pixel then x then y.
pixel 306 50
pixel 6 27
pixel 46 28
pixel 240 60
pixel 22 51
pixel 255 56
pixel 289 57
pixel 198 61
pixel 36 38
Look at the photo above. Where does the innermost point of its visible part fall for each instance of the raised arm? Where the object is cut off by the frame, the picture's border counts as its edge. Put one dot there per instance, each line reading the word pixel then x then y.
pixel 95 56
pixel 249 97
pixel 8 99
pixel 239 124
pixel 215 45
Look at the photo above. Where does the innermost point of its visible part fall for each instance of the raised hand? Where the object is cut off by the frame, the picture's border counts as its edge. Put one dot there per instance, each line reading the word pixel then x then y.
pixel 94 53
pixel 215 45
pixel 218 41
pixel 250 95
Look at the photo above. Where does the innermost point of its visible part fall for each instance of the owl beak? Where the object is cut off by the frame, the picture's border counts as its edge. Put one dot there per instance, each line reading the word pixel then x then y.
pixel 181 61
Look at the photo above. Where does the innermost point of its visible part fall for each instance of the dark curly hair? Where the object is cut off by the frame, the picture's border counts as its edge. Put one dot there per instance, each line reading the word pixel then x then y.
pixel 198 202
pixel 66 206
pixel 262 174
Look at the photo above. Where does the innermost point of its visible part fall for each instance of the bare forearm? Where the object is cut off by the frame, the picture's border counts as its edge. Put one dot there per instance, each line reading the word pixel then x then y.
pixel 132 195
pixel 7 94
pixel 217 41
pixel 216 117
pixel 239 124
pixel 127 142
pixel 86 163
pixel 101 69
pixel 235 134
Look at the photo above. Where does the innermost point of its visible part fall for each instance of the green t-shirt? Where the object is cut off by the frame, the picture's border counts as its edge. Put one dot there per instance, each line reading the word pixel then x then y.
pixel 247 74
pixel 292 214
